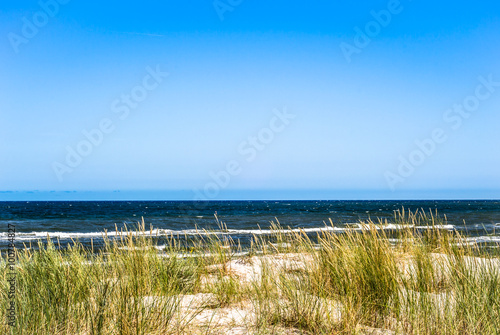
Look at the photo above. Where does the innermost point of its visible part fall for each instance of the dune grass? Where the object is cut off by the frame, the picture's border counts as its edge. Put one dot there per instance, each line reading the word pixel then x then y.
pixel 409 281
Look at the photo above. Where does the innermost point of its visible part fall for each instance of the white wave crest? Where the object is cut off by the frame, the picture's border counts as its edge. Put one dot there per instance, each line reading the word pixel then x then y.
pixel 200 232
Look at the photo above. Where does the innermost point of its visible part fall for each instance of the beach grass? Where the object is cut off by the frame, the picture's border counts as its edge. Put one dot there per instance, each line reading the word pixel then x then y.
pixel 417 279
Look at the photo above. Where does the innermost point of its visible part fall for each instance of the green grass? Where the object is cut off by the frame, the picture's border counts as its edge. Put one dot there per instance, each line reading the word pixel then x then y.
pixel 410 281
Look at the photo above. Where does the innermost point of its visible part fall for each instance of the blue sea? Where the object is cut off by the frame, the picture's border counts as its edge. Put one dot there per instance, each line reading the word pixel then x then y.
pixel 87 220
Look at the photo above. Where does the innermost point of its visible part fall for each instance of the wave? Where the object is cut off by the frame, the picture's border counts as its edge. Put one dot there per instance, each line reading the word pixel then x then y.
pixel 198 232
pixel 483 239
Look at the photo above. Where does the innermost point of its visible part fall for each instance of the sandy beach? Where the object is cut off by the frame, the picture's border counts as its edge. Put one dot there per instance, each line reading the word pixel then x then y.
pixel 358 281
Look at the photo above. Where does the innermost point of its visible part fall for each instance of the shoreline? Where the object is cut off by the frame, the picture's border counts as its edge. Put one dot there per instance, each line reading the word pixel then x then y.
pixel 358 281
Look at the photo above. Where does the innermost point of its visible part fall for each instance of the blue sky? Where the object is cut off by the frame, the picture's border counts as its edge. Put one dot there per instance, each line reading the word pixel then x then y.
pixel 261 99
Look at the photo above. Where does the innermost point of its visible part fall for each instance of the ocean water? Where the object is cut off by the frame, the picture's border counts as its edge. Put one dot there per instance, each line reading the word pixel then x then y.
pixel 87 220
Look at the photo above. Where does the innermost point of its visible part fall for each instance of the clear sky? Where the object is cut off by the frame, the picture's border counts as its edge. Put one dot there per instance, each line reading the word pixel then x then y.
pixel 251 99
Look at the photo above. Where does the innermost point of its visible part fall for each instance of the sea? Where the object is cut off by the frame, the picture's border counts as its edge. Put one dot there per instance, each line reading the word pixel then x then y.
pixel 87 221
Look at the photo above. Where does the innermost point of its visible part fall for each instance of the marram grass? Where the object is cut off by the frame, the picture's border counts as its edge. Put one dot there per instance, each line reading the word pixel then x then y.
pixel 408 281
